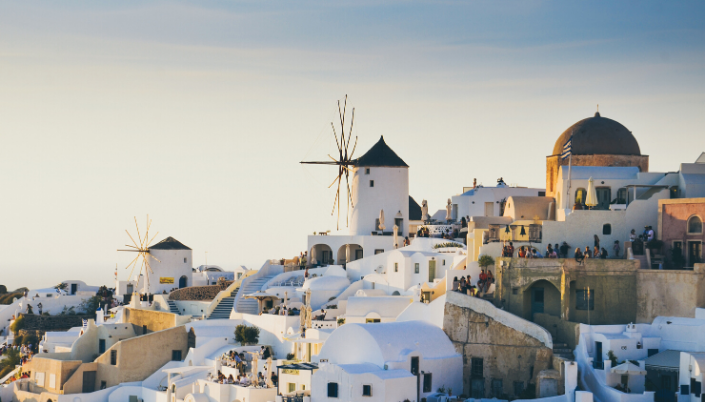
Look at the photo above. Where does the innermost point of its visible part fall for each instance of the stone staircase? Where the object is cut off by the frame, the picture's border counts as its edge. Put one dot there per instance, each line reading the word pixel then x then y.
pixel 562 350
pixel 225 307
pixel 249 306
pixel 173 308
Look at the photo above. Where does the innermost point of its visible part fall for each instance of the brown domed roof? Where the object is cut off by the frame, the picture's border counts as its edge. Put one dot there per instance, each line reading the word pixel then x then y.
pixel 598 136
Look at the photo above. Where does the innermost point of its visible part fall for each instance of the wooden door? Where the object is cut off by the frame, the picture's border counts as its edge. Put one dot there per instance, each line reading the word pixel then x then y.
pixel 431 271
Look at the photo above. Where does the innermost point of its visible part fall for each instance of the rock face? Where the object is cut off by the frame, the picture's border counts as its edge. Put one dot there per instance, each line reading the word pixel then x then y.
pixel 49 323
pixel 498 361
pixel 200 293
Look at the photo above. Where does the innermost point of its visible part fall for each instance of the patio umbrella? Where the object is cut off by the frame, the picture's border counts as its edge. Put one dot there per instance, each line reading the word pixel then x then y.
pixel 628 368
pixel 591 198
pixel 396 236
pixel 381 220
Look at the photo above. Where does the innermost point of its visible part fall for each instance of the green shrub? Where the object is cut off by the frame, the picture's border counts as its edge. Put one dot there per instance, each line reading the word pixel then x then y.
pixel 485 261
pixel 3 289
pixel 290 356
pixel 448 244
pixel 17 325
pixel 246 335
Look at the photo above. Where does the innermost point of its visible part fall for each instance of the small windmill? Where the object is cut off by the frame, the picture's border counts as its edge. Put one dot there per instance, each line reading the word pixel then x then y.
pixel 142 250
pixel 343 161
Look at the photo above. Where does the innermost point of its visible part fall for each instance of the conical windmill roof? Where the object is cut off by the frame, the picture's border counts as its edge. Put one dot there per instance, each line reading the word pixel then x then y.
pixel 169 243
pixel 380 155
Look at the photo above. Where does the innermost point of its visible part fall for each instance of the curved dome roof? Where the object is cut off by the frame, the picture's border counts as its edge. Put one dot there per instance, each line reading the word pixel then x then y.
pixel 598 136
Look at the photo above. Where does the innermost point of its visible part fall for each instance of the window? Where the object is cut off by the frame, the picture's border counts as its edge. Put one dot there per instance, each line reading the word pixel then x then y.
pixel 101 346
pixel 444 262
pixel 695 225
pixel 695 387
pixel 427 382
pixel 685 390
pixel 416 268
pixel 103 385
pixel 515 291
pixel 292 386
pixel 621 196
pixel 581 299
pixel 396 267
pixel 372 183
pixel 400 224
pixel 332 390
pixel 176 355
pixel 606 229
pixel 113 357
pixel 414 365
pixel 477 367
pixel 184 259
pixel 518 388
pixel 379 251
pixel 367 170
pixel 497 388
pixel 367 390
pixel 144 329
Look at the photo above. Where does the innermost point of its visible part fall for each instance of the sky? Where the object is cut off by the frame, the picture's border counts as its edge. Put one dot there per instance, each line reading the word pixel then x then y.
pixel 198 113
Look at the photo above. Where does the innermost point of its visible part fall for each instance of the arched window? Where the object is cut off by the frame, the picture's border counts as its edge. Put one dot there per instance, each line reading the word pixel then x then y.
pixel 580 196
pixel 695 225
pixel 606 229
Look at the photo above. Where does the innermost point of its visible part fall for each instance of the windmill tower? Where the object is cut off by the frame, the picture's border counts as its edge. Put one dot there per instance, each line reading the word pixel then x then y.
pixel 380 182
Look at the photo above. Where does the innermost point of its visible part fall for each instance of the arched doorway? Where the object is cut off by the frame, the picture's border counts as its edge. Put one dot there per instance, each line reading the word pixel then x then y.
pixel 348 253
pixel 542 297
pixel 183 282
pixel 321 254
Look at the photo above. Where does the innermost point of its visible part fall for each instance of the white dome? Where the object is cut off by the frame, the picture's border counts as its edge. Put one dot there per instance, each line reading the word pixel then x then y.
pixel 327 283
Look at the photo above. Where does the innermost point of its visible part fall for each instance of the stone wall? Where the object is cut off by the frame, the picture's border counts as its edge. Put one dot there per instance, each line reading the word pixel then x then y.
pixel 669 293
pixel 507 354
pixel 199 293
pixel 48 323
pixel 562 331
pixel 611 282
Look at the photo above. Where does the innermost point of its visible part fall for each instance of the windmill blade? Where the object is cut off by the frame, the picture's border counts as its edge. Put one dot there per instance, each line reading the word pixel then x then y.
pixel 333 158
pixel 352 122
pixel 146 235
pixel 138 232
pixel 337 196
pixel 133 261
pixel 127 245
pixel 149 267
pixel 334 201
pixel 335 134
pixel 336 179
pixel 150 242
pixel 150 254
pixel 134 251
pixel 353 150
pixel 133 240
pixel 350 194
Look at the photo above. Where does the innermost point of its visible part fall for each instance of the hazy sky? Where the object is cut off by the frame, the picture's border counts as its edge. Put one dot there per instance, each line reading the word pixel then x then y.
pixel 199 112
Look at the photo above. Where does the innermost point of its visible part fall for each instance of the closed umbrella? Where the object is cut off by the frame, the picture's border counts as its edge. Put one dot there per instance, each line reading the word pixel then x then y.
pixel 381 220
pixel 396 236
pixel 591 198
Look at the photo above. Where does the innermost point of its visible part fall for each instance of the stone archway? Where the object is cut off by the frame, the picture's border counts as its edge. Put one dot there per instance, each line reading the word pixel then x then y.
pixel 541 296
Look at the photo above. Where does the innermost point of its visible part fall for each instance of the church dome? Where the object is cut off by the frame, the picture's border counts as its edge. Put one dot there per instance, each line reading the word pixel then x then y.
pixel 598 136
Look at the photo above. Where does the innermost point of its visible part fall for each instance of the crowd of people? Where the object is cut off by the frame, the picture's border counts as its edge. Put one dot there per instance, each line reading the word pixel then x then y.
pixel 464 284
pixel 562 251
pixel 239 361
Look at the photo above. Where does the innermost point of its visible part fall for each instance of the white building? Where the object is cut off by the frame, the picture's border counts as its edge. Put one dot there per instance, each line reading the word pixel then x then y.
pixel 380 182
pixel 385 362
pixel 487 201
pixel 171 269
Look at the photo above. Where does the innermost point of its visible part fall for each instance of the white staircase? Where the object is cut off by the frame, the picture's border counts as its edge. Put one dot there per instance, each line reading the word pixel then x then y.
pixel 224 308
pixel 172 307
pixel 249 306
